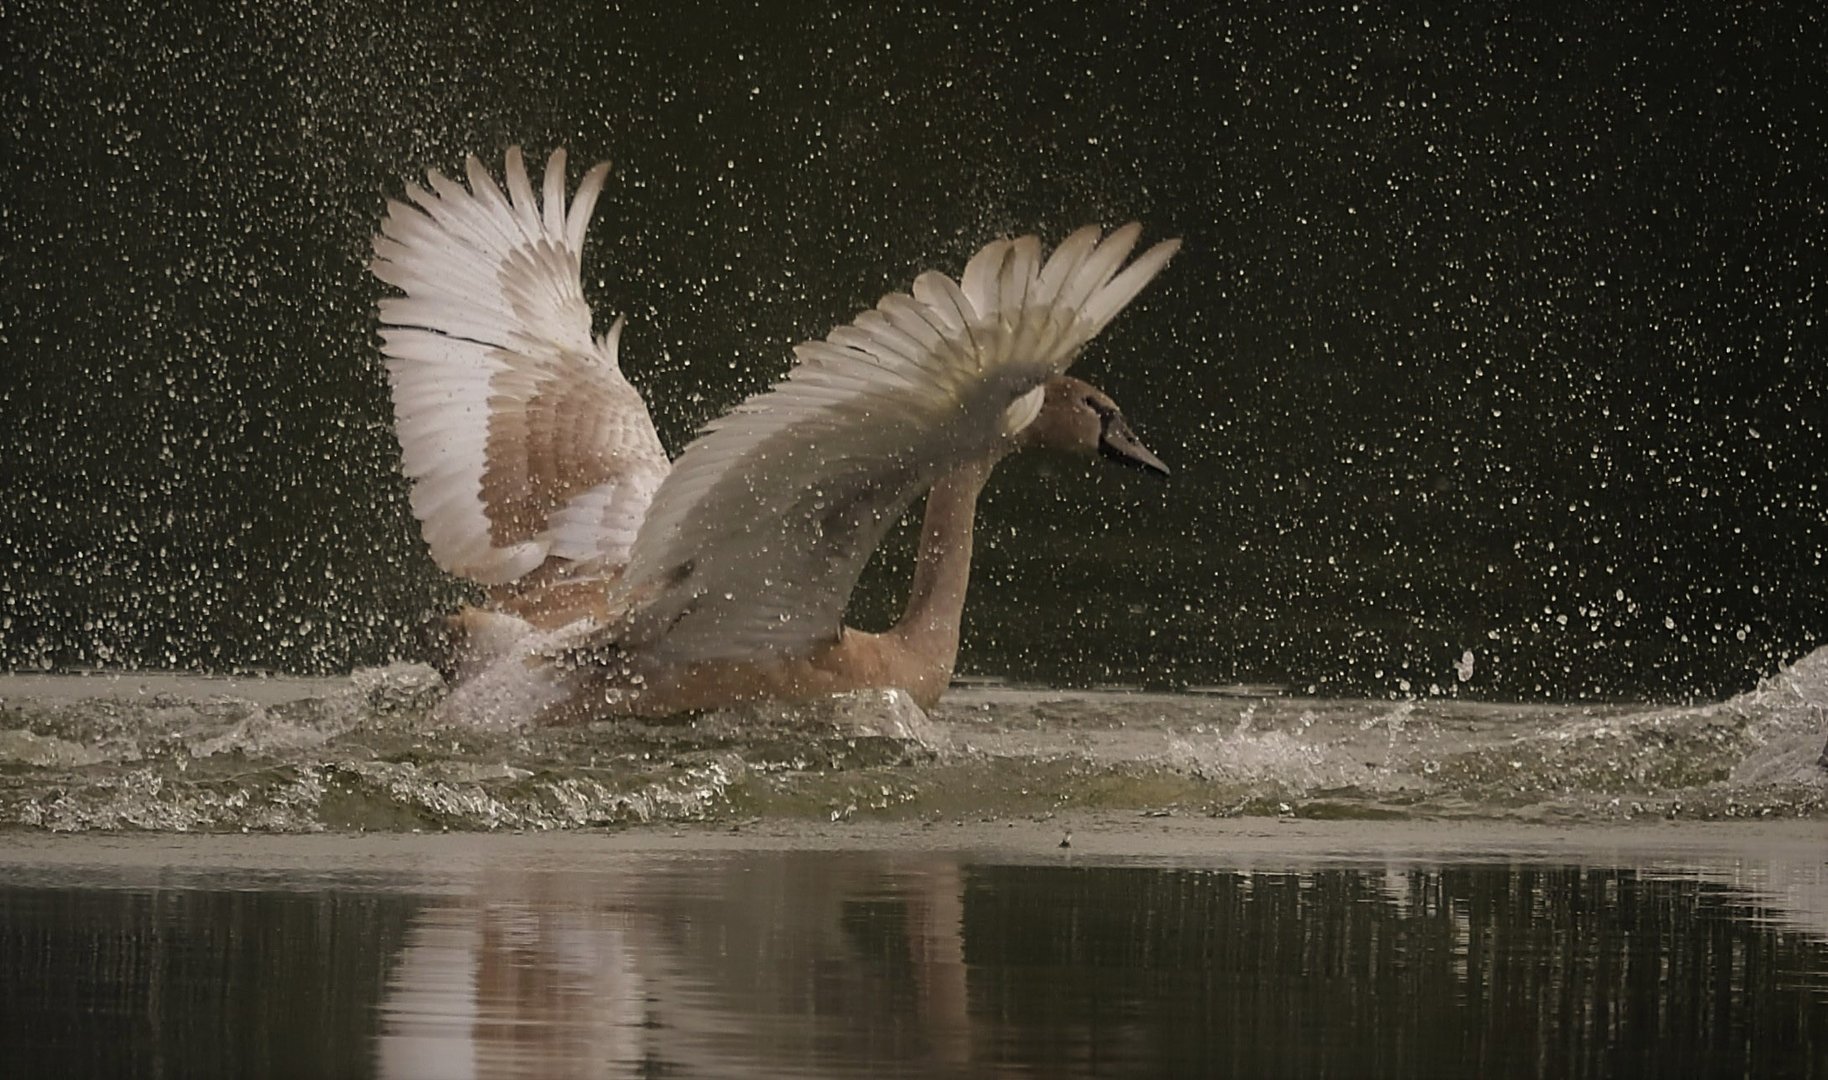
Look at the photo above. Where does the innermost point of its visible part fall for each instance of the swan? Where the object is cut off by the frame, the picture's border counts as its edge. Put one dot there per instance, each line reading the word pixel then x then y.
pixel 620 582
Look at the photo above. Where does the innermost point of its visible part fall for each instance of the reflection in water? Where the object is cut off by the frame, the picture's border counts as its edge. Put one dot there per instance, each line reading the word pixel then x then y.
pixel 1487 971
pixel 192 982
pixel 839 963
pixel 508 989
pixel 722 967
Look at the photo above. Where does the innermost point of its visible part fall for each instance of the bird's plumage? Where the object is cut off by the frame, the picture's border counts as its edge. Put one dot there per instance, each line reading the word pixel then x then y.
pixel 526 446
pixel 754 542
pixel 530 452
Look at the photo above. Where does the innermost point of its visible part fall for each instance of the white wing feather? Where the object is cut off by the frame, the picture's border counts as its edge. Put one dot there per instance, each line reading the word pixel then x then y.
pixel 523 441
pixel 757 537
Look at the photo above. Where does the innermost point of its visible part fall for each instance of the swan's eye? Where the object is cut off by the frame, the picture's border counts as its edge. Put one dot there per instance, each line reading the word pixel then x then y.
pixel 1104 412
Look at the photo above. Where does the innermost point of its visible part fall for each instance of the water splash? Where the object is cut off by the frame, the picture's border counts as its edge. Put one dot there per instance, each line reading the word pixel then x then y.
pixel 366 752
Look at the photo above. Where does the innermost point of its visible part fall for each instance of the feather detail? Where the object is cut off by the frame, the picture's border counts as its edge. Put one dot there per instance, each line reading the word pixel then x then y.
pixel 523 442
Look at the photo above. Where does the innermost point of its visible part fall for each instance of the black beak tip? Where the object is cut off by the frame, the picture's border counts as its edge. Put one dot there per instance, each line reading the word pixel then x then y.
pixel 1135 455
pixel 1120 444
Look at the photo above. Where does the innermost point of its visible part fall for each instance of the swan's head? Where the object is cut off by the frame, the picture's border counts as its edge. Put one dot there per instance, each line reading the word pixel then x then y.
pixel 1078 418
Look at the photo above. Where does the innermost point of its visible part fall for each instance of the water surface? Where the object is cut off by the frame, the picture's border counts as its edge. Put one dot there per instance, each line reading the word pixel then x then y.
pixel 317 877
pixel 1148 948
pixel 368 752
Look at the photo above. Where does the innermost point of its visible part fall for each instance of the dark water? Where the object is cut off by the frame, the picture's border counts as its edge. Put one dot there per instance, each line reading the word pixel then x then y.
pixel 1497 328
pixel 1590 955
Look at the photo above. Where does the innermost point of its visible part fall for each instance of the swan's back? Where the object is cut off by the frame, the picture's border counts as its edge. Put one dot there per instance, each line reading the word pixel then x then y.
pixel 756 539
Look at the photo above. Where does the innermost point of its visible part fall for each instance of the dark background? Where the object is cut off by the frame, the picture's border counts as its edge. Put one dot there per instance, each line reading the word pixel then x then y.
pixel 1498 330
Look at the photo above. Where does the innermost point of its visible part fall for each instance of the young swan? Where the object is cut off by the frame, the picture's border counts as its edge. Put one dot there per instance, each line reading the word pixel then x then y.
pixel 624 581
pixel 918 653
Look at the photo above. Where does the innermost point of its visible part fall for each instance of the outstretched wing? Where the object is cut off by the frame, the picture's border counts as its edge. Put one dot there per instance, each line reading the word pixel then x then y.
pixel 525 445
pixel 754 542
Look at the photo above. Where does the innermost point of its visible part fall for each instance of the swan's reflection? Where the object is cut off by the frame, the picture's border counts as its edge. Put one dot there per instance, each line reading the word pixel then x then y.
pixel 820 963
pixel 499 988
pixel 735 967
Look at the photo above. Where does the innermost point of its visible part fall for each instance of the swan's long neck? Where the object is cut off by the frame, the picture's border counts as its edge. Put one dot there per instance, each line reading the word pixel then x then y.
pixel 942 570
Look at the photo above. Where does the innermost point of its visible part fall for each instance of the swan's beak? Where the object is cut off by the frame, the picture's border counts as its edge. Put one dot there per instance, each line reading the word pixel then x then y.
pixel 1120 444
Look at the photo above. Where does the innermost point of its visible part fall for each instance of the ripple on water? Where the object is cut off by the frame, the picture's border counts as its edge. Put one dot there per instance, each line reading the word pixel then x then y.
pixel 364 753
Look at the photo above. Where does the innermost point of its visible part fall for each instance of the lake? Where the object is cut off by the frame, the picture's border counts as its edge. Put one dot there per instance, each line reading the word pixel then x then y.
pixel 313 877
pixel 1149 947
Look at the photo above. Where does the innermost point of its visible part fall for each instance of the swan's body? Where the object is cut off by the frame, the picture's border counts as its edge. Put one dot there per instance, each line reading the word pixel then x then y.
pixel 620 584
